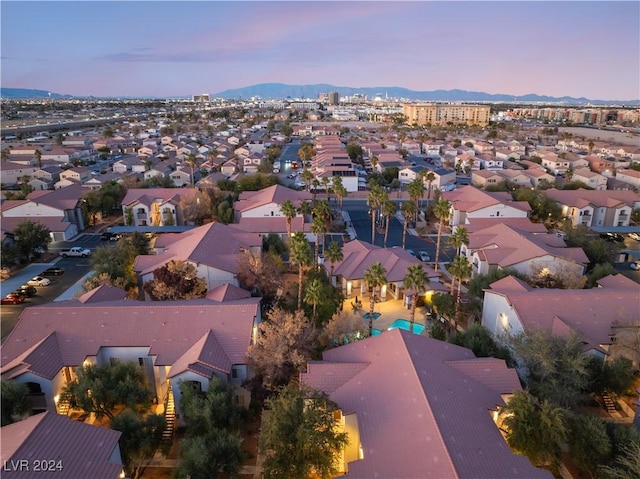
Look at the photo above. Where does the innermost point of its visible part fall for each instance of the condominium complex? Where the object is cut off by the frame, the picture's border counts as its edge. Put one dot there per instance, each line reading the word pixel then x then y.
pixel 435 114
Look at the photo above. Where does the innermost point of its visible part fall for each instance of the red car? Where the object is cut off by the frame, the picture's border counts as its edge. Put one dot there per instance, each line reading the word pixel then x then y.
pixel 12 298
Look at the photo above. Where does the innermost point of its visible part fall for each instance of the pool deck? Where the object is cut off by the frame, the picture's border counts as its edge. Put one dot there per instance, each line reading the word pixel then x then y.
pixel 389 310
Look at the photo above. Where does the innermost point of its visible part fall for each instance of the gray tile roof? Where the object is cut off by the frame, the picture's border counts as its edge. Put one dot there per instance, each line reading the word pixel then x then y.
pixel 84 451
pixel 422 412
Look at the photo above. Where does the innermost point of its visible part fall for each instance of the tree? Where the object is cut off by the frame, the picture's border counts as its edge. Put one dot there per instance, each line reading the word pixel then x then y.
pixel 208 411
pixel 339 190
pixel 458 238
pixel 38 155
pixel 319 229
pixel 313 295
pixel 374 199
pixel 481 342
pixel 429 178
pixel 415 279
pixel 29 237
pixel 441 210
pixel 174 281
pixel 99 389
pixel 460 269
pixel 554 368
pixel 215 456
pixel 389 208
pixel 626 465
pixel 408 212
pixel 140 440
pixel 300 437
pixel 537 429
pixel 15 400
pixel 284 346
pixel 416 190
pixel 198 209
pixel 334 254
pixel 443 305
pixel 375 277
pixel 306 152
pixel 615 376
pixel 262 271
pixel 589 443
pixel 342 328
pixel 116 262
pixel 354 151
pixel 300 254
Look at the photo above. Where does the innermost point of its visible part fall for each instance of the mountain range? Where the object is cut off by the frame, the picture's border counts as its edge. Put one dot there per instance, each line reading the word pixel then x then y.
pixel 283 91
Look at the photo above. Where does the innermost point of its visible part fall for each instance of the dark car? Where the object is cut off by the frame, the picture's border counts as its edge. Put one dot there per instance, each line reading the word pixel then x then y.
pixel 612 237
pixel 53 271
pixel 29 291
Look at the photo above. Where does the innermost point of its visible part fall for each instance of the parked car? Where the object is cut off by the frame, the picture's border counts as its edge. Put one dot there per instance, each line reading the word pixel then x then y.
pixel 12 298
pixel 39 281
pixel 424 256
pixel 410 251
pixel 28 290
pixel 53 271
pixel 635 265
pixel 634 236
pixel 612 237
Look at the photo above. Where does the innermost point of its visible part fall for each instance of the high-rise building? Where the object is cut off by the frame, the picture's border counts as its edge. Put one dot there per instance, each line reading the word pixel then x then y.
pixel 334 98
pixel 202 98
pixel 436 114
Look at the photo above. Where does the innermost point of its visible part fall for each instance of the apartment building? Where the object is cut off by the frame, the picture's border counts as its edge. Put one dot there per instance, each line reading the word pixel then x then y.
pixel 435 114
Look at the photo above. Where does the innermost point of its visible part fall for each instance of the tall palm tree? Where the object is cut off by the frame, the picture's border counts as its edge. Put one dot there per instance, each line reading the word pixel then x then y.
pixel 319 229
pixel 38 155
pixel 307 176
pixel 408 211
pixel 415 190
pixel 334 254
pixel 316 184
pixel 339 190
pixel 459 237
pixel 429 178
pixel 375 277
pixel 415 279
pixel 300 254
pixel 290 211
pixel 313 295
pixel 373 200
pixel 192 161
pixel 325 184
pixel 568 175
pixel 460 269
pixel 389 209
pixel 441 210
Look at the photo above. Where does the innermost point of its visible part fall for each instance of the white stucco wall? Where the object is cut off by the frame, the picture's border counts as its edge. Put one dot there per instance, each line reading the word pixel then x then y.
pixel 498 316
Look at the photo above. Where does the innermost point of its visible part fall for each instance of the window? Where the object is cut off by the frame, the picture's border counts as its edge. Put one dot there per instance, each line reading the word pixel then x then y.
pixel 141 211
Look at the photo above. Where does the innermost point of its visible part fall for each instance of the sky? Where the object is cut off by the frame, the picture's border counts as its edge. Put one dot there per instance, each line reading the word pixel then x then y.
pixel 157 48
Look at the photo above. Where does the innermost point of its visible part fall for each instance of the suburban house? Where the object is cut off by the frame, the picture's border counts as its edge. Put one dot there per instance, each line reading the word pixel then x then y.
pixel 155 206
pixel 79 174
pixel 12 173
pixel 489 162
pixel 537 175
pixel 416 407
pixel 61 447
pixel 266 203
pixel 590 178
pixel 502 246
pixel 171 341
pixel 511 307
pixel 515 177
pixel 470 202
pixel 596 208
pixel 632 177
pixel 60 210
pixel 358 256
pixel 212 248
pixel 484 178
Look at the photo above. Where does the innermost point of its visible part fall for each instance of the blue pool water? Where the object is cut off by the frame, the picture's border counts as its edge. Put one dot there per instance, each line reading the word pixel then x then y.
pixel 375 332
pixel 375 316
pixel 406 325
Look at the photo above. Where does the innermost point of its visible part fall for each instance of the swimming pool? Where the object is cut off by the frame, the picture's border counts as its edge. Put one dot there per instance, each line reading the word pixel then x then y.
pixel 406 325
pixel 375 316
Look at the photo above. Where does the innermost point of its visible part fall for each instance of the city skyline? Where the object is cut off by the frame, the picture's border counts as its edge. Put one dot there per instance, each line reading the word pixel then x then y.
pixel 180 48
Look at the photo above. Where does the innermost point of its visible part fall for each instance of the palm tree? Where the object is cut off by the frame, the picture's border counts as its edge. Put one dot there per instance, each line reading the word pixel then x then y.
pixel 388 210
pixel 408 211
pixel 334 254
pixel 38 155
pixel 441 210
pixel 290 211
pixel 460 269
pixel 319 229
pixel 4 153
pixel 591 145
pixel 458 238
pixel 569 175
pixel 300 254
pixel 192 161
pixel 375 277
pixel 306 153
pixel 429 178
pixel 325 184
pixel 373 200
pixel 415 190
pixel 339 190
pixel 313 295
pixel 307 176
pixel 316 184
pixel 415 279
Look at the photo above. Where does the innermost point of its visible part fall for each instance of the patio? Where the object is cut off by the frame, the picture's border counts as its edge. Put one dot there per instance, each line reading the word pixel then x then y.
pixel 389 311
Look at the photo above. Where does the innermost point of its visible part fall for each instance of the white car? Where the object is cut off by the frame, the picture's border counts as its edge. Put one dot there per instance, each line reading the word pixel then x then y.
pixel 424 256
pixel 634 236
pixel 635 265
pixel 39 281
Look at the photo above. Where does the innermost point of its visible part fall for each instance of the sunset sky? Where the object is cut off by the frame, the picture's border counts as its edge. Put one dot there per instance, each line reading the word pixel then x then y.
pixel 155 48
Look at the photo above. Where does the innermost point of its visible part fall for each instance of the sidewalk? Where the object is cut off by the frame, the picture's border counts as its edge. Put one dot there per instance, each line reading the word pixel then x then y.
pixel 349 228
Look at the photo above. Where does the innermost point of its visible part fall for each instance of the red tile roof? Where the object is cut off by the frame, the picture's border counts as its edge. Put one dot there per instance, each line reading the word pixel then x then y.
pixel 54 335
pixel 83 451
pixel 249 200
pixel 423 408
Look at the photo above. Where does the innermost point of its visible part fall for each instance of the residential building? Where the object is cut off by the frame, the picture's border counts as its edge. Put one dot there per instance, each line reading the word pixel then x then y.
pixel 436 114
pixel 511 307
pixel 632 177
pixel 590 178
pixel 155 206
pixel 596 208
pixel 484 178
pixel 469 202
pixel 49 444
pixel 266 203
pixel 416 407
